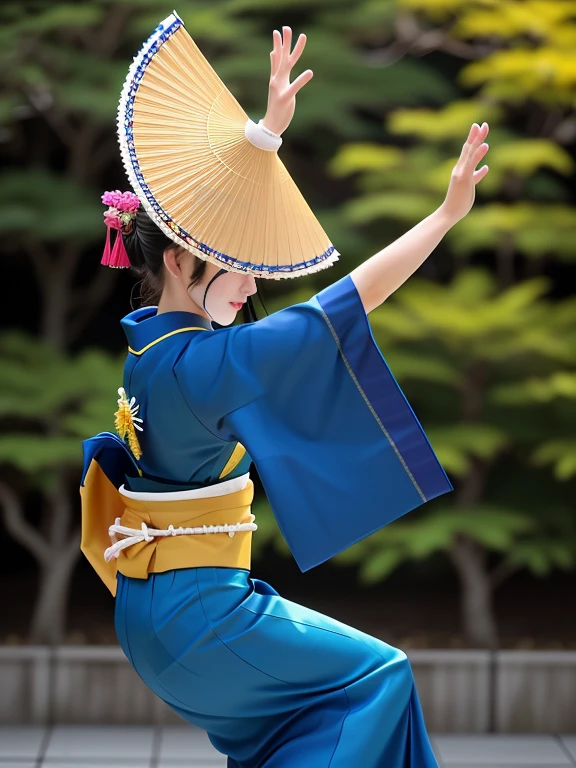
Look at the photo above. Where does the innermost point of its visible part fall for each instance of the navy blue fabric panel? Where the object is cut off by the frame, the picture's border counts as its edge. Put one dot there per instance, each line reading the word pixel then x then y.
pixel 111 454
pixel 344 309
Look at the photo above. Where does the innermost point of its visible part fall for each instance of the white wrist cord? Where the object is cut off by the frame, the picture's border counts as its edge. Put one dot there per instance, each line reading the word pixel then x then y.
pixel 261 137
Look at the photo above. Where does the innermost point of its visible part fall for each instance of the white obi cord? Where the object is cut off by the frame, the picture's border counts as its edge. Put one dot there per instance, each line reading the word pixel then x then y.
pixel 135 535
pixel 261 137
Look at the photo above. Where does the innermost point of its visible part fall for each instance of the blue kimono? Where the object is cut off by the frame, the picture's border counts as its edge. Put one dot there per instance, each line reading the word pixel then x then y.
pixel 340 454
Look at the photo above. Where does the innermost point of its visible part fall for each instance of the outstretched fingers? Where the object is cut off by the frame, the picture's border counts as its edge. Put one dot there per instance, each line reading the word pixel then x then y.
pixel 478 155
pixel 287 42
pixel 300 81
pixel 474 150
pixel 475 138
pixel 479 175
pixel 298 48
pixel 282 60
pixel 276 53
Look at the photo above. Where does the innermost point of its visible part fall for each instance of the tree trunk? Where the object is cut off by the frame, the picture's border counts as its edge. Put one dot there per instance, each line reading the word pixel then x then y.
pixel 48 624
pixel 56 569
pixel 478 616
pixel 467 555
pixel 55 550
pixel 65 310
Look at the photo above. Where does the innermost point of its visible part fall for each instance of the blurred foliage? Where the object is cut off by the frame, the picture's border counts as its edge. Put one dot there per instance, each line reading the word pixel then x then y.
pixel 486 358
pixel 66 57
pixel 483 351
pixel 470 333
pixel 50 402
pixel 33 201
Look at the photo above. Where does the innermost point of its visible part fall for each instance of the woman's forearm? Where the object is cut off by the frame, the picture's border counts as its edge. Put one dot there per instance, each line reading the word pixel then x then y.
pixel 380 275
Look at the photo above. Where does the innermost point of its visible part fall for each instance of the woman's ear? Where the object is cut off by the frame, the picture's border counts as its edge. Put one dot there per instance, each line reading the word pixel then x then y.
pixel 172 260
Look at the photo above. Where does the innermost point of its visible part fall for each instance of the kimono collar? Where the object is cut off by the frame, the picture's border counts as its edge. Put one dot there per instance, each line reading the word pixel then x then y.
pixel 145 327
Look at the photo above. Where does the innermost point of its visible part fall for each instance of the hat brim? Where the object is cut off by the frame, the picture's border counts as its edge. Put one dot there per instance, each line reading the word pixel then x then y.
pixel 206 186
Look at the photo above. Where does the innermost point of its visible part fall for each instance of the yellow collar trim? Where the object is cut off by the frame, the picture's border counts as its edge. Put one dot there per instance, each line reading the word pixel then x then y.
pixel 237 455
pixel 166 335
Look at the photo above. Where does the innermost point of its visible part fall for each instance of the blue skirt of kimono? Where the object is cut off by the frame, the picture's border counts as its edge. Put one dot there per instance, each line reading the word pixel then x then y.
pixel 274 684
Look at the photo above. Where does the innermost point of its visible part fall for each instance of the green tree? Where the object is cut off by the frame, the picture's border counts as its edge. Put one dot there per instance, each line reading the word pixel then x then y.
pixel 471 352
pixel 62 68
pixel 476 344
pixel 49 402
pixel 493 373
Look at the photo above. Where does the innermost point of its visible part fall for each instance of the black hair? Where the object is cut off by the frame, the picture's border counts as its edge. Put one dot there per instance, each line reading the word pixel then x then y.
pixel 145 244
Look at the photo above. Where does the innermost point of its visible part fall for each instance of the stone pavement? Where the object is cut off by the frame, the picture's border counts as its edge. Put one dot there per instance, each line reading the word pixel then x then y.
pixel 187 747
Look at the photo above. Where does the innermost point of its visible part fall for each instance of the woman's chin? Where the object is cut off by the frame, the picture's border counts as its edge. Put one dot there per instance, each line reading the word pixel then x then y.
pixel 226 318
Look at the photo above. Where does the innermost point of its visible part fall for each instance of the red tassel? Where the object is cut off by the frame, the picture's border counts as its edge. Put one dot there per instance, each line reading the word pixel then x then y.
pixel 117 257
pixel 106 255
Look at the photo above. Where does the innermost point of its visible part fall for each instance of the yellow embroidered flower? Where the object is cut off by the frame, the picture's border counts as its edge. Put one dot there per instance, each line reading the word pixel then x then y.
pixel 125 422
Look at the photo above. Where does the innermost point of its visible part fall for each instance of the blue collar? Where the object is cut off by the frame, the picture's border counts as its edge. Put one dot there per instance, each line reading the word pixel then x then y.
pixel 144 327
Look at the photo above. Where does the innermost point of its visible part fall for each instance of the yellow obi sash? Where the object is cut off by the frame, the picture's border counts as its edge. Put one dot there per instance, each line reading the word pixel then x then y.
pixel 103 503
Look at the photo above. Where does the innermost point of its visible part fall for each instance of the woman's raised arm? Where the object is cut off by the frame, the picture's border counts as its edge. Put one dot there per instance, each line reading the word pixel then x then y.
pixel 380 275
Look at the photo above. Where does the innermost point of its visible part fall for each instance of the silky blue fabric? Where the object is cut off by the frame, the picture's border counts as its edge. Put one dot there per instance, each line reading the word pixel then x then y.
pixel 340 453
pixel 274 684
pixel 337 446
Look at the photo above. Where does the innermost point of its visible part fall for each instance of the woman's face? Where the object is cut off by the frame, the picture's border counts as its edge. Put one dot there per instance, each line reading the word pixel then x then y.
pixel 226 294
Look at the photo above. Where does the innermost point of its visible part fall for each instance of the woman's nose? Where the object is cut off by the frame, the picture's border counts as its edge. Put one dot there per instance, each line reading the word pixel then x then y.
pixel 250 286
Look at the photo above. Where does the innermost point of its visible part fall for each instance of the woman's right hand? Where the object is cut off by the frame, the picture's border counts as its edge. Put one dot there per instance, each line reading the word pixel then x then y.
pixel 282 93
pixel 462 189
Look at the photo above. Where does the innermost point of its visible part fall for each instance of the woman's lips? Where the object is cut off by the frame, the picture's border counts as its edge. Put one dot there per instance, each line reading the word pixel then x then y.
pixel 236 304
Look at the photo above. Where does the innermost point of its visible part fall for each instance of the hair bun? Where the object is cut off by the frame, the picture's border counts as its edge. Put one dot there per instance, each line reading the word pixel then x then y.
pixel 132 242
pixel 146 243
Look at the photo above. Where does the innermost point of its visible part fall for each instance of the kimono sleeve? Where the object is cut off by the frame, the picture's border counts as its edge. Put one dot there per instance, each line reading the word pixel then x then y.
pixel 338 448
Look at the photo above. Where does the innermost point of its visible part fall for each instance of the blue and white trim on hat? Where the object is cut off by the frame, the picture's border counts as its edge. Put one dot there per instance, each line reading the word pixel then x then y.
pixel 169 227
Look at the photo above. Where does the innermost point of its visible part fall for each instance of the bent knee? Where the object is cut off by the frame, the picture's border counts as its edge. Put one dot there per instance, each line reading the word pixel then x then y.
pixel 402 671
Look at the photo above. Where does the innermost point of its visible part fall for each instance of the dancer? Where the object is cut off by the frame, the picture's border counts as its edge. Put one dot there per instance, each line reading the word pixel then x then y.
pixel 305 394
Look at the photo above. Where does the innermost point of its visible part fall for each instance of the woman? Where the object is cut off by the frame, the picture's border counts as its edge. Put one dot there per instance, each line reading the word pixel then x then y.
pixel 306 395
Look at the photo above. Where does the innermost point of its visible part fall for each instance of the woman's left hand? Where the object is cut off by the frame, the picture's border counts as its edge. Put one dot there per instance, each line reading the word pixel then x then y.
pixel 282 93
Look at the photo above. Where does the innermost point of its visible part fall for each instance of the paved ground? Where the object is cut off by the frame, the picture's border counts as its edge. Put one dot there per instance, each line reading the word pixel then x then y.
pixel 187 747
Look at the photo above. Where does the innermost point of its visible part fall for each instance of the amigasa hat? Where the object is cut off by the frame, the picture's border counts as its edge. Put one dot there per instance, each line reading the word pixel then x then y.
pixel 185 147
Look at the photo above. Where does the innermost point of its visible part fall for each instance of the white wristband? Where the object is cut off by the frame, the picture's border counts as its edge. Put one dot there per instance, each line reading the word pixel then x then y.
pixel 261 137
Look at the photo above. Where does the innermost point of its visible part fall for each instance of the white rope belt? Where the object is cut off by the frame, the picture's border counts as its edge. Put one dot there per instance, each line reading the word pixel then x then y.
pixel 135 536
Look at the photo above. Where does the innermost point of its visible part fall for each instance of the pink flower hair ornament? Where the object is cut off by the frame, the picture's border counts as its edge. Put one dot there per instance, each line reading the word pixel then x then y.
pixel 119 216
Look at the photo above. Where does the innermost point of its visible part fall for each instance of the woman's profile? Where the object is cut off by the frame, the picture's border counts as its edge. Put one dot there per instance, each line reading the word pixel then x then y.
pixel 304 394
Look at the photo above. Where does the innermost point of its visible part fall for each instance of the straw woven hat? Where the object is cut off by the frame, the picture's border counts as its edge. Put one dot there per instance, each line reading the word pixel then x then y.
pixel 202 181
